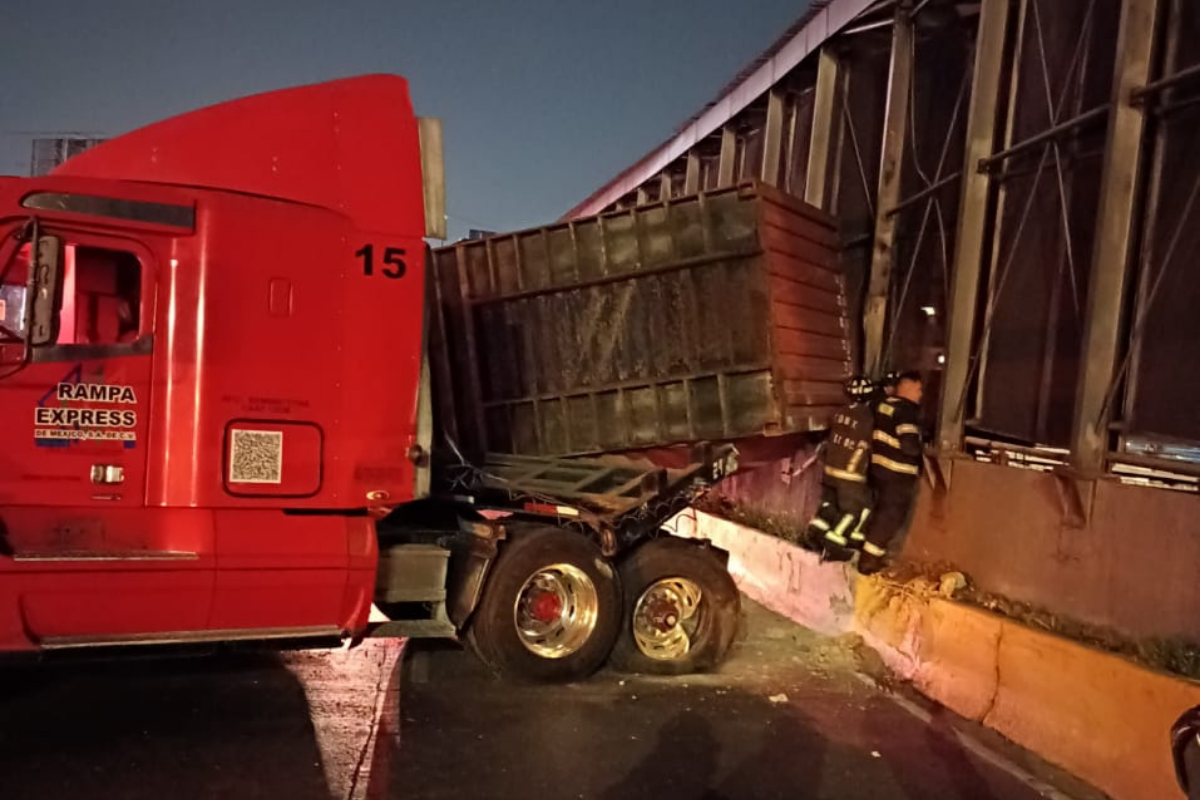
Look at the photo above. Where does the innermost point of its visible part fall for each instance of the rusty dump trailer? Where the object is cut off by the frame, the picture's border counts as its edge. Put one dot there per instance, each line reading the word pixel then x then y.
pixel 712 317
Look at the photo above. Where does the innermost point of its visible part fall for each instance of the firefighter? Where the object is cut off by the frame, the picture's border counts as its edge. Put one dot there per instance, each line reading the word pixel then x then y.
pixel 845 498
pixel 887 386
pixel 895 466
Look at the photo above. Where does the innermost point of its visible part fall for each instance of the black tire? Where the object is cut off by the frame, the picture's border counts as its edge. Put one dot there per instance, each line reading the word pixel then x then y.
pixel 716 616
pixel 493 633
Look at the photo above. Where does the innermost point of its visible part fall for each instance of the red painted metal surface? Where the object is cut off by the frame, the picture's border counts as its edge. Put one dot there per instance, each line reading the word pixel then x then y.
pixel 259 313
pixel 349 146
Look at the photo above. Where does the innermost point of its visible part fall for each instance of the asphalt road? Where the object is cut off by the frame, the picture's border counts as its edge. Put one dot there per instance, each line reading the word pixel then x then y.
pixel 787 717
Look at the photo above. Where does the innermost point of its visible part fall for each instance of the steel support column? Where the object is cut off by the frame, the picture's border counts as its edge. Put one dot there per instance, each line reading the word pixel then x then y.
pixel 824 127
pixel 643 196
pixel 895 129
pixel 1115 233
pixel 691 180
pixel 664 186
pixel 728 160
pixel 972 220
pixel 773 138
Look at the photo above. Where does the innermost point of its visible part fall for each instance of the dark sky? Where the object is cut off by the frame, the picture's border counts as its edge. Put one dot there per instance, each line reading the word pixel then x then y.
pixel 542 101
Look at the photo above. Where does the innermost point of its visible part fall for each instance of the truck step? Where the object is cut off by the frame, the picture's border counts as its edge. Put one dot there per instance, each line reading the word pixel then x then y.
pixel 415 629
pixel 411 573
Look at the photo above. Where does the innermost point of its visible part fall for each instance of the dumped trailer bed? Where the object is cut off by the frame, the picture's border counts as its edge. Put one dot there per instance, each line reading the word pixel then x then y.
pixel 712 317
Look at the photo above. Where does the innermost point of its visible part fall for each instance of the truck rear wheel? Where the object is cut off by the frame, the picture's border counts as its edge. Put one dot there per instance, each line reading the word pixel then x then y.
pixel 550 609
pixel 682 609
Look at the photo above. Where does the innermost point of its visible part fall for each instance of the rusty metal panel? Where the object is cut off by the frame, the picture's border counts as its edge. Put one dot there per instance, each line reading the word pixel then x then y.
pixel 970 234
pixel 826 105
pixel 1039 275
pixel 1115 235
pixel 1165 363
pixel 709 317
pixel 927 214
pixel 892 149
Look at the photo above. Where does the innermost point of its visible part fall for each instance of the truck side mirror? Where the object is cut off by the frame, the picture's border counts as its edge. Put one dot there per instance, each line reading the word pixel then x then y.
pixel 1185 747
pixel 45 290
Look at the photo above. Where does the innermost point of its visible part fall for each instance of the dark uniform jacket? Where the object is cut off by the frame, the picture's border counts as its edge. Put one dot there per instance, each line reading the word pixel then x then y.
pixel 848 450
pixel 896 439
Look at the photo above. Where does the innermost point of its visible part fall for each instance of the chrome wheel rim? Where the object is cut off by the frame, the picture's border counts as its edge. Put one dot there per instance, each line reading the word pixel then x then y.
pixel 556 611
pixel 666 618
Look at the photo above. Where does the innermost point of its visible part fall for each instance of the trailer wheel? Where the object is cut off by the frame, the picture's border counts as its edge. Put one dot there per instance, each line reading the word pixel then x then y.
pixel 550 609
pixel 682 609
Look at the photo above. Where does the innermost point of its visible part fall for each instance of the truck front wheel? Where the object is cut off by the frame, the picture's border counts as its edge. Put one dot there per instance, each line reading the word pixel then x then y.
pixel 682 609
pixel 550 609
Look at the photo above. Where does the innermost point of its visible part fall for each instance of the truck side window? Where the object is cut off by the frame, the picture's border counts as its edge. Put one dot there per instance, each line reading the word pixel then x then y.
pixel 101 297
pixel 12 293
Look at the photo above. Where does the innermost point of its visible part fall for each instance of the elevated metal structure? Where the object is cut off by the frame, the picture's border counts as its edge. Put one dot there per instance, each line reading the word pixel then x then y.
pixel 1016 186
pixel 998 169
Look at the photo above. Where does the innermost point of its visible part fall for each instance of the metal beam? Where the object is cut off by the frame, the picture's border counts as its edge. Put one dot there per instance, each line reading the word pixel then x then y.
pixel 727 162
pixel 825 120
pixel 1153 89
pixel 917 197
pixel 819 25
pixel 1115 233
pixel 691 179
pixel 664 186
pixel 1091 117
pixel 643 196
pixel 895 128
pixel 972 219
pixel 773 138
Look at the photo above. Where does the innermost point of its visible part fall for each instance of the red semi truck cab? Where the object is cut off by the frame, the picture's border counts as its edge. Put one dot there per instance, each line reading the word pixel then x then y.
pixel 218 417
pixel 223 373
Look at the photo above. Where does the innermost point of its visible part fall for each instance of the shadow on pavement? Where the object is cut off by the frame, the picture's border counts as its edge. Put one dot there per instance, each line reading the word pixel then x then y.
pixel 452 731
pixel 683 764
pixel 463 734
pixel 945 768
pixel 228 726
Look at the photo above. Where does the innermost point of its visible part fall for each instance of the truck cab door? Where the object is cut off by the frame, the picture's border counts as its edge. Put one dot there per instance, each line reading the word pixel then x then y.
pixel 87 561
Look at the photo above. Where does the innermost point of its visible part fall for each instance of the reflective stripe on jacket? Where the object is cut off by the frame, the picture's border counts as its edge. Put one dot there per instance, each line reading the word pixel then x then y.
pixel 896 437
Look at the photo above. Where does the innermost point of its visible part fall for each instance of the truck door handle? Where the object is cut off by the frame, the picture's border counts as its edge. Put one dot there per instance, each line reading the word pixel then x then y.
pixel 107 474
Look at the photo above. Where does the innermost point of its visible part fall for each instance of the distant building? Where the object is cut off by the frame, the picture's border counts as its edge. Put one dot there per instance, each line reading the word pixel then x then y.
pixel 48 152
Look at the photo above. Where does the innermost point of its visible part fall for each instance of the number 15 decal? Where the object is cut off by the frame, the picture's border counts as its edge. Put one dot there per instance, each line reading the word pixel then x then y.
pixel 393 261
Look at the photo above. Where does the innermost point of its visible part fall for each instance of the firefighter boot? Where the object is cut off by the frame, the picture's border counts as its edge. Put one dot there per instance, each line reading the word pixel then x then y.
pixel 813 537
pixel 837 545
pixel 873 559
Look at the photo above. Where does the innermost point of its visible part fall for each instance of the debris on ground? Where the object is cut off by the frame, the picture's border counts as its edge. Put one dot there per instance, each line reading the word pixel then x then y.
pixel 950 583
pixel 1169 654
pixel 778 698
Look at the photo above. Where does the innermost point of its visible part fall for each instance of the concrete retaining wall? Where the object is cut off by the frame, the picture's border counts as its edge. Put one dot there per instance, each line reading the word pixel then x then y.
pixel 1131 567
pixel 1101 717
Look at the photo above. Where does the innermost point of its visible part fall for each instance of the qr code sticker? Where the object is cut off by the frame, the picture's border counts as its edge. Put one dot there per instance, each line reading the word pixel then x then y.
pixel 256 457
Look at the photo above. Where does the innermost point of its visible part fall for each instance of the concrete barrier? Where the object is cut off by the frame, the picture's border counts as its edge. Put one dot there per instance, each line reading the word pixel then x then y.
pixel 1101 717
pixel 780 576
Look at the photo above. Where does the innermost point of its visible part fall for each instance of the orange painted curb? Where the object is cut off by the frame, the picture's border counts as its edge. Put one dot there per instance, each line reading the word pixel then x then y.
pixel 1098 715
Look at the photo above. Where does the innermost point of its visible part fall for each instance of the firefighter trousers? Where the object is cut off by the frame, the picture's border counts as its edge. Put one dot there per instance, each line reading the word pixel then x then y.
pixel 838 523
pixel 894 498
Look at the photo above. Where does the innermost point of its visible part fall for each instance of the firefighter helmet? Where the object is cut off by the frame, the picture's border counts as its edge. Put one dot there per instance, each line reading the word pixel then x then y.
pixel 859 388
